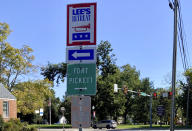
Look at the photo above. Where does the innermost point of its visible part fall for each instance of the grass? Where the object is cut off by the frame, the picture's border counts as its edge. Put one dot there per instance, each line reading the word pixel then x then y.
pixel 121 126
pixel 55 126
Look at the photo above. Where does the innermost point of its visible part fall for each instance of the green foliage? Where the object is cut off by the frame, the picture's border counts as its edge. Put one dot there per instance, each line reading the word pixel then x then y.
pixel 13 62
pixel 4 31
pixel 55 104
pixel 105 59
pixel 54 71
pixel 13 125
pixel 182 100
pixel 16 125
pixel 67 104
pixel 106 102
pixel 30 118
pixel 140 112
pixel 52 126
pixel 31 95
pixel 1 123
pixel 129 77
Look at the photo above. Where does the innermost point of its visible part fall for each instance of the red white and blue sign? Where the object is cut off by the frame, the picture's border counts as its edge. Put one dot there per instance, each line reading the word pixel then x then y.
pixel 81 55
pixel 81 24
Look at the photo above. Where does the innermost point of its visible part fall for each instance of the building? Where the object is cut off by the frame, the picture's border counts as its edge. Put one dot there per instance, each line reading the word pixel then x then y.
pixel 8 104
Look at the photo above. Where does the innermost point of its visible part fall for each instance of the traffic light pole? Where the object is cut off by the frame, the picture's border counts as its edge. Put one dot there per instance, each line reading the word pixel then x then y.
pixel 150 111
pixel 174 66
pixel 150 108
pixel 187 114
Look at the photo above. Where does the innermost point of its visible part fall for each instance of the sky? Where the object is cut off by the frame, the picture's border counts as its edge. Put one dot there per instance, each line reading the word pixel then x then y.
pixel 140 32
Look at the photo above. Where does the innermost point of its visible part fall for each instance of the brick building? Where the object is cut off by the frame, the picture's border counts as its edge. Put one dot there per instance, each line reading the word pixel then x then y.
pixel 8 104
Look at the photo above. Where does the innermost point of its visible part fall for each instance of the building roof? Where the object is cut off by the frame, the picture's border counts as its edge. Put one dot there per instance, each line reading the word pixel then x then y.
pixel 4 93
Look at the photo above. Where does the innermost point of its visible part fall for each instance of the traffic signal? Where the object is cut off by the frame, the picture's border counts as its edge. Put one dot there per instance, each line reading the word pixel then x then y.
pixel 155 95
pixel 139 93
pixel 170 95
pixel 115 88
pixel 125 89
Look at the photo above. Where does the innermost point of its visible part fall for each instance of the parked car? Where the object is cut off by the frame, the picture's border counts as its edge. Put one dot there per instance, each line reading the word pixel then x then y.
pixel 105 124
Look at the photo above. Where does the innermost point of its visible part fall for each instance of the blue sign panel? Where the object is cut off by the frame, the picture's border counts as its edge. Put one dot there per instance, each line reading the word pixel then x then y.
pixel 84 55
pixel 81 54
pixel 81 36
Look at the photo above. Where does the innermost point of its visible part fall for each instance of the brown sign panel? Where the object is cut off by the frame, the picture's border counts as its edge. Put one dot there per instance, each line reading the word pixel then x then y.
pixel 81 111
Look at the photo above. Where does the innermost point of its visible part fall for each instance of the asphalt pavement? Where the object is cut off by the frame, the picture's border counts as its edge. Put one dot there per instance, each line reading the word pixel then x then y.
pixel 72 129
pixel 90 129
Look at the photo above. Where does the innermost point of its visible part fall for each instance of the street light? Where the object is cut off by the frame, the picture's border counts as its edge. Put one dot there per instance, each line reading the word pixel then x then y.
pixel 63 110
pixel 93 107
pixel 125 89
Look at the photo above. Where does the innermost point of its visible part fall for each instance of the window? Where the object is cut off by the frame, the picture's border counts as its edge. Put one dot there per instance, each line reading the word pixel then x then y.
pixel 5 109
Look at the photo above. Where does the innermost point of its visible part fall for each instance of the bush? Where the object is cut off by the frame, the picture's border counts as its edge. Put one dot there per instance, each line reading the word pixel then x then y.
pixel 16 125
pixel 1 123
pixel 29 128
pixel 13 125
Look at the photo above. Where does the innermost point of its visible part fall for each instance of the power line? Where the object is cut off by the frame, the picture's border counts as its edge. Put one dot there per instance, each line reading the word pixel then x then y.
pixel 184 34
pixel 182 40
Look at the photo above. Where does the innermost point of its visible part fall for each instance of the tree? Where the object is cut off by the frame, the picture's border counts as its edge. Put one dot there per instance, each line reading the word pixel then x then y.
pixel 13 62
pixel 186 99
pixel 141 111
pixel 130 79
pixel 55 107
pixel 67 105
pixel 107 104
pixel 32 95
pixel 54 72
pixel 105 59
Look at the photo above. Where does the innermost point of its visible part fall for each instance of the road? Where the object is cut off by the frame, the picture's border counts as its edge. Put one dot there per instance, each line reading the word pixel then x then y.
pixel 72 129
pixel 110 130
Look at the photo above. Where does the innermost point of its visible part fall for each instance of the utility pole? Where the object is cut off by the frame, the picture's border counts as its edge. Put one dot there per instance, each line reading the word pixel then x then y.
pixel 187 114
pixel 174 65
pixel 49 110
pixel 150 109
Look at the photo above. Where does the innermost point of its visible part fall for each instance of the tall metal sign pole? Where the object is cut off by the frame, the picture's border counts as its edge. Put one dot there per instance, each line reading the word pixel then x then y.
pixel 174 66
pixel 81 61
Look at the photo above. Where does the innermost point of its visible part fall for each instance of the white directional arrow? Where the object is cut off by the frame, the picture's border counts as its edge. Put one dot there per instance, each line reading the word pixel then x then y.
pixel 75 54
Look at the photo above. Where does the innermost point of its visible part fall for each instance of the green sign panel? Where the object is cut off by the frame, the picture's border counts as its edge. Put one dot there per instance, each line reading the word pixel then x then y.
pixel 81 79
pixel 143 94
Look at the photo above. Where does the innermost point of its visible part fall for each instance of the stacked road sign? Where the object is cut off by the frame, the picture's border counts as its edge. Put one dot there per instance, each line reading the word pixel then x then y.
pixel 81 53
pixel 160 110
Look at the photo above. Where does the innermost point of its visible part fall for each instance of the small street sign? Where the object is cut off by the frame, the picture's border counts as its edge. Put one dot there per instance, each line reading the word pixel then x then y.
pixel 81 111
pixel 62 108
pixel 81 79
pixel 160 110
pixel 115 88
pixel 81 24
pixel 41 112
pixel 143 94
pixel 165 94
pixel 37 111
pixel 81 55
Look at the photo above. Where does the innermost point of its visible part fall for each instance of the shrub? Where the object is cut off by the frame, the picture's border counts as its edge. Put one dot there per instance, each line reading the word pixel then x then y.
pixel 1 123
pixel 29 128
pixel 13 125
pixel 16 125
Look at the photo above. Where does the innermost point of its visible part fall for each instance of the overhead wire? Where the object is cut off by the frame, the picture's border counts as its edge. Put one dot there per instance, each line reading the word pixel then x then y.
pixel 182 40
pixel 180 25
pixel 184 34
